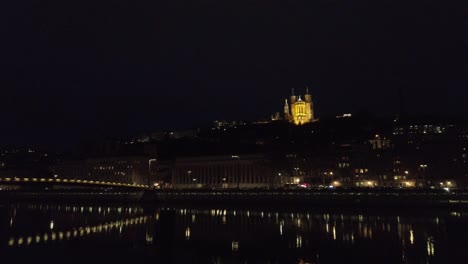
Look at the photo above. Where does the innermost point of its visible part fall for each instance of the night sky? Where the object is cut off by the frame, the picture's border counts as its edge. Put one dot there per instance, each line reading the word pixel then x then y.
pixel 74 70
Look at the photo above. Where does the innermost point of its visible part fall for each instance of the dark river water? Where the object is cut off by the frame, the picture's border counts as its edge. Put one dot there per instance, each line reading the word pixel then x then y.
pixel 233 235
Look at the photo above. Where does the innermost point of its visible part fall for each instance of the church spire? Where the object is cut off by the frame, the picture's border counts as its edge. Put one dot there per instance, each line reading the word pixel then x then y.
pixel 292 91
pixel 286 110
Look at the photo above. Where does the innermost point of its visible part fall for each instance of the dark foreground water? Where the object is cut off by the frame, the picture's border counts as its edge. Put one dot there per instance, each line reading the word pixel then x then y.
pixel 232 235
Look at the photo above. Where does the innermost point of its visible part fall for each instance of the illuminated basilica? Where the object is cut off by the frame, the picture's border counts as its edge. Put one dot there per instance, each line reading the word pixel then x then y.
pixel 299 111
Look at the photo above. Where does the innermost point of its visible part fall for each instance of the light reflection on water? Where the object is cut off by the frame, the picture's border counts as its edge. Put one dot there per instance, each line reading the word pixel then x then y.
pixel 222 235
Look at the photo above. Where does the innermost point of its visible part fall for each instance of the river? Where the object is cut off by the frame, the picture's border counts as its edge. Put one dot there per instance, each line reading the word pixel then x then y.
pixel 219 234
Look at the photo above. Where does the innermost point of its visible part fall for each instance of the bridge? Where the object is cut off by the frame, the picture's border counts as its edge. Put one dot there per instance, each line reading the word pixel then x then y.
pixel 79 231
pixel 68 182
pixel 60 189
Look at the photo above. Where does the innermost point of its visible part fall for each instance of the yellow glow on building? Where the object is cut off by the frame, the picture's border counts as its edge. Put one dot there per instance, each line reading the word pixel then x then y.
pixel 336 184
pixel 187 233
pixel 235 246
pixel 299 111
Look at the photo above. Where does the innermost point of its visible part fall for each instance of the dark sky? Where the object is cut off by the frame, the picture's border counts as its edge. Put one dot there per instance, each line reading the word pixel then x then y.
pixel 72 70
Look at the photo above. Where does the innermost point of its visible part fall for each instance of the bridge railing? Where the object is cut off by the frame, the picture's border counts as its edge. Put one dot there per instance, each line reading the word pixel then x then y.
pixel 12 180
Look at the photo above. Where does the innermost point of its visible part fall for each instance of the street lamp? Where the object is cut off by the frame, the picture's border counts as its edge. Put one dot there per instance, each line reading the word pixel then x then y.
pixel 189 172
pixel 150 169
pixel 295 179
pixel 328 174
pixel 423 168
pixel 238 169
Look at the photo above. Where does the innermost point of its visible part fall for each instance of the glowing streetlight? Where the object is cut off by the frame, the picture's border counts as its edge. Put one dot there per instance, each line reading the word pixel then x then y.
pixel 238 171
pixel 189 173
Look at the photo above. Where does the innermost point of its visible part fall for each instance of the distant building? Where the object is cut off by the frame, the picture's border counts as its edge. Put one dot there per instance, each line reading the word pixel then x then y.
pixel 433 150
pixel 24 163
pixel 276 116
pixel 344 116
pixel 131 169
pixel 124 169
pixel 223 125
pixel 243 171
pixel 379 142
pixel 299 111
pixel 172 134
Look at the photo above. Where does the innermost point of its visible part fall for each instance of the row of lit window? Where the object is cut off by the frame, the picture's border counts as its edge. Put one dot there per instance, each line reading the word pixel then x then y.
pixel 243 178
pixel 109 167
pixel 361 171
pixel 343 165
pixel 396 177
pixel 426 126
pixel 104 168
pixel 437 131
pixel 419 127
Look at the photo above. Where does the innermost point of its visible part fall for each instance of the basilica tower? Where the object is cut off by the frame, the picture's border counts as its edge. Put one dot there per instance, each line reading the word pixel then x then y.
pixel 299 111
pixel 309 105
pixel 287 115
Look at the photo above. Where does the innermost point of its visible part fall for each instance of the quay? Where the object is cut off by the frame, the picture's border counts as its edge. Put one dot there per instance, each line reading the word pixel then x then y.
pixel 339 198
pixel 268 198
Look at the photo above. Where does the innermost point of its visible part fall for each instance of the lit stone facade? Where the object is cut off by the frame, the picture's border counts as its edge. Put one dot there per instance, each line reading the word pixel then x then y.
pixel 249 171
pixel 299 111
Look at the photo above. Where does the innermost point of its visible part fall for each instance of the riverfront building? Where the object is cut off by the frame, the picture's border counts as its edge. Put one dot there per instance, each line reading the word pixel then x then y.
pixel 124 169
pixel 234 171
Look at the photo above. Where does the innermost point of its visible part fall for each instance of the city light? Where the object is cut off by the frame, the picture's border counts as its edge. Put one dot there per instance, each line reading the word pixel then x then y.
pixel 187 233
pixel 123 126
pixel 235 246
